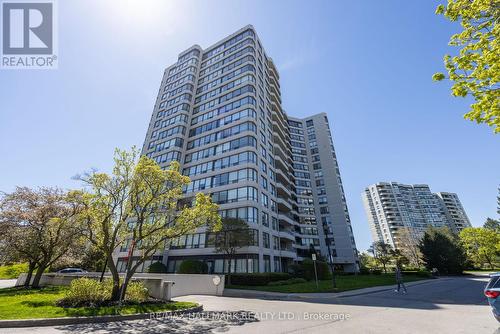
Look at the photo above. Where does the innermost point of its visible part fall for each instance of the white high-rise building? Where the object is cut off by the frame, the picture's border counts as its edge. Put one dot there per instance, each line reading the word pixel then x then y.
pixel 219 113
pixel 392 207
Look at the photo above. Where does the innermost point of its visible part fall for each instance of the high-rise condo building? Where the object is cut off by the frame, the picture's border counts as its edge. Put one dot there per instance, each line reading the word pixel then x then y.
pixel 454 211
pixel 219 113
pixel 394 207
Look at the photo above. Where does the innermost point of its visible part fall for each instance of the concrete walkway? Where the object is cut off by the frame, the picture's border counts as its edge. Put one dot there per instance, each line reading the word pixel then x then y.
pixel 315 295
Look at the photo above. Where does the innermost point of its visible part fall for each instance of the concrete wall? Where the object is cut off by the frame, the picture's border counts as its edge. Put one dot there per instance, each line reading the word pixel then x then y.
pixel 162 286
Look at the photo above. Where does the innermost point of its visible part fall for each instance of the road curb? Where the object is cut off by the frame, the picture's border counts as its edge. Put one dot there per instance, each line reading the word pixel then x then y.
pixel 96 319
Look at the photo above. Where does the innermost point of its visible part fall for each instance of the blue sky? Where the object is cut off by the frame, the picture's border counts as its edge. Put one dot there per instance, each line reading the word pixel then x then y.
pixel 367 64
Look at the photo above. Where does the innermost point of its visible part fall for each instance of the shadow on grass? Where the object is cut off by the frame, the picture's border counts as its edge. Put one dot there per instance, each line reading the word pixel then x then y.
pixel 37 303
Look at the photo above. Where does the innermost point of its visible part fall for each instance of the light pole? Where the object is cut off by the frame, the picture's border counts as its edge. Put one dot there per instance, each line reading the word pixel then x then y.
pixel 332 267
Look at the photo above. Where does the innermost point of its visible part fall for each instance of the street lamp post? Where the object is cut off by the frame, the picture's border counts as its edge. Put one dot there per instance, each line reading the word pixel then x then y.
pixel 334 282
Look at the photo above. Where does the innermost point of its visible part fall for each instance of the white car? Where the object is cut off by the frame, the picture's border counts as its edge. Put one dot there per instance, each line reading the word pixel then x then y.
pixel 72 271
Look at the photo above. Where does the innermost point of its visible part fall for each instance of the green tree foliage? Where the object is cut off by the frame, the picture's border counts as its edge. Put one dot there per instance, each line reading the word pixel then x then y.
pixel 475 70
pixel 38 226
pixel 441 249
pixel 481 244
pixel 233 235
pixel 382 253
pixel 492 224
pixel 138 206
pixel 366 261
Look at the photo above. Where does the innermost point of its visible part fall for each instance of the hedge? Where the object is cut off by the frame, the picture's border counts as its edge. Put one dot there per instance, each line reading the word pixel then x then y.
pixel 157 268
pixel 193 267
pixel 258 278
pixel 306 270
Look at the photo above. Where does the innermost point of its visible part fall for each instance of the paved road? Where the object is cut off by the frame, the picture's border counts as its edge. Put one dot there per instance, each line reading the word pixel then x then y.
pixel 447 305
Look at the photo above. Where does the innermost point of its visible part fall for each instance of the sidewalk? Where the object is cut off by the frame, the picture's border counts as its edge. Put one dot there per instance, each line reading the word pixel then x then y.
pixel 316 295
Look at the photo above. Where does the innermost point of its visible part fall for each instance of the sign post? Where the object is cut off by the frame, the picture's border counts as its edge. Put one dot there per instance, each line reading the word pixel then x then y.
pixel 315 271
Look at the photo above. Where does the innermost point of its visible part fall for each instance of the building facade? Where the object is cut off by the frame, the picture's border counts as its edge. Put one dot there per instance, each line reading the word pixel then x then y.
pixel 219 113
pixel 454 211
pixel 394 207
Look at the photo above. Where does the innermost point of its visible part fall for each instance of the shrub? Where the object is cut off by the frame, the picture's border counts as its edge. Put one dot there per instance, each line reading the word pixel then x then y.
pixel 321 267
pixel 157 268
pixel 364 271
pixel 258 278
pixel 288 281
pixel 193 267
pixel 90 292
pixel 136 292
pixel 86 292
pixel 377 272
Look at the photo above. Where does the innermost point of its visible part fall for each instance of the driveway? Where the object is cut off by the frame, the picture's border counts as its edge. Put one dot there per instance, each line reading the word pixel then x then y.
pixel 446 305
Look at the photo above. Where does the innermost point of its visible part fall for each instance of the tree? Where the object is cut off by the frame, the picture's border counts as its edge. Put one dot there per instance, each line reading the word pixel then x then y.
pixel 139 205
pixel 398 257
pixel 233 235
pixel 366 261
pixel 475 70
pixel 441 249
pixel 39 227
pixel 408 243
pixel 481 244
pixel 382 253
pixel 492 224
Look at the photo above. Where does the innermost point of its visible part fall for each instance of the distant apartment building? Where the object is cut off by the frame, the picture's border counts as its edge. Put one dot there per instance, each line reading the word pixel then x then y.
pixel 454 211
pixel 219 113
pixel 392 207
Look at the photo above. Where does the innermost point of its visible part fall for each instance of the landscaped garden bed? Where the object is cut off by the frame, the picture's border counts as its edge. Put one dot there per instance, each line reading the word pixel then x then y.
pixel 18 303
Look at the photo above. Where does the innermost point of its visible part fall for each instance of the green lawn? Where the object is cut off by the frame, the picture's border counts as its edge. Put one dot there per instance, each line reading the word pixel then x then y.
pixel 31 304
pixel 344 283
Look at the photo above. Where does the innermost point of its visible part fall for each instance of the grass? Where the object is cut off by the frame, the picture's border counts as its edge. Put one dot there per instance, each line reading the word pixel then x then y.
pixel 344 283
pixel 13 271
pixel 18 303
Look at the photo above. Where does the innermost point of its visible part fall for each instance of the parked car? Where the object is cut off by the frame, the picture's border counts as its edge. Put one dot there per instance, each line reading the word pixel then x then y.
pixel 492 291
pixel 72 271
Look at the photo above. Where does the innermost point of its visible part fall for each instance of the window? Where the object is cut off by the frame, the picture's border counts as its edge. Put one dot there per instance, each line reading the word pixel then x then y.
pixel 248 214
pixel 263 166
pixel 320 182
pixel 265 219
pixel 263 182
pixel 324 210
pixel 309 123
pixel 235 195
pixel 265 200
pixel 265 240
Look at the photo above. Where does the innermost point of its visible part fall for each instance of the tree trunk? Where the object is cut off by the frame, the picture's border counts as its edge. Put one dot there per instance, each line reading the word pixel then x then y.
pixel 229 270
pixel 491 264
pixel 385 270
pixel 115 292
pixel 29 274
pixel 38 276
